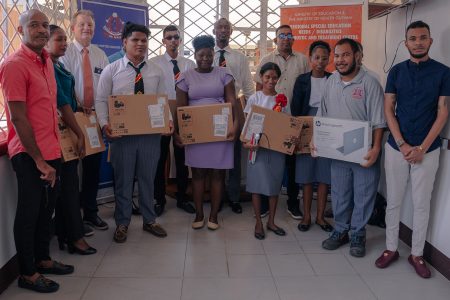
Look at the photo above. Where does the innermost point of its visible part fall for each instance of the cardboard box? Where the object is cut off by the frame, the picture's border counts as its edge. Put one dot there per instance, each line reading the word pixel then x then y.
pixel 67 142
pixel 347 140
pixel 205 123
pixel 93 137
pixel 139 114
pixel 277 129
pixel 306 135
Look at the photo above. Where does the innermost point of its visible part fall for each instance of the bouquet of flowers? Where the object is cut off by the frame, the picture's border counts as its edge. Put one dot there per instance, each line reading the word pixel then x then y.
pixel 280 102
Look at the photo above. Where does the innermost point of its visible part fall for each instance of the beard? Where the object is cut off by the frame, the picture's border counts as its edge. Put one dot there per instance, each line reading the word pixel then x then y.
pixel 349 71
pixel 418 56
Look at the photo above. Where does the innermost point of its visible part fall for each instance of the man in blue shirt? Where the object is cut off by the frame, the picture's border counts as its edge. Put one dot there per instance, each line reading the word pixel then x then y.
pixel 416 111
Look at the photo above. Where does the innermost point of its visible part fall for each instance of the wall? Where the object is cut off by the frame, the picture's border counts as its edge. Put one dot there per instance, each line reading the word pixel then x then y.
pixel 8 202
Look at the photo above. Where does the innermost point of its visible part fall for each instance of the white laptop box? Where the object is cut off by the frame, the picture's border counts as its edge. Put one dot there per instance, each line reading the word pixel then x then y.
pixel 346 140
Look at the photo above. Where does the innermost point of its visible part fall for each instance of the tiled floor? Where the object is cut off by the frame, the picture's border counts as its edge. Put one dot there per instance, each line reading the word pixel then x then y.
pixel 231 264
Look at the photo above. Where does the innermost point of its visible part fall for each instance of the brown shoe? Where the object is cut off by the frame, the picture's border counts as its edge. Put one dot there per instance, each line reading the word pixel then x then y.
pixel 155 229
pixel 419 265
pixel 120 235
pixel 386 259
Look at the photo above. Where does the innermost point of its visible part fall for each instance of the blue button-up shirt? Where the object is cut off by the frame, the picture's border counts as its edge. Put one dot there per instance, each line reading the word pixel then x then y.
pixel 417 88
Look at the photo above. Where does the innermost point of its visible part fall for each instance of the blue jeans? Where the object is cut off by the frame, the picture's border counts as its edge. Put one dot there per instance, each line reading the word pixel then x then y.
pixel 353 192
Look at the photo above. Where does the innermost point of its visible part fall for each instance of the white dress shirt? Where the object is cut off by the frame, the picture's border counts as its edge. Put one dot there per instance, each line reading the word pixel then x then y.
pixel 239 67
pixel 166 65
pixel 73 61
pixel 118 79
pixel 295 65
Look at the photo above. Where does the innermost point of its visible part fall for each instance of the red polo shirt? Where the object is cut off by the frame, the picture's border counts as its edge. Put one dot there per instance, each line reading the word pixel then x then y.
pixel 24 77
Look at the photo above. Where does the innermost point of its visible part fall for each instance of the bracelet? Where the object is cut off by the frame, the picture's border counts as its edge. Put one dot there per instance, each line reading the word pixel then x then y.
pixel 420 148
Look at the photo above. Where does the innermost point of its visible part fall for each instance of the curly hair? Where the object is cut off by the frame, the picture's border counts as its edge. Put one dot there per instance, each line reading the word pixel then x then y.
pixel 203 41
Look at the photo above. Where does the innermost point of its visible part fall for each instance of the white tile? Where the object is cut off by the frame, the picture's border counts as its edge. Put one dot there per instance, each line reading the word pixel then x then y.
pixel 249 266
pixel 281 247
pixel 330 264
pixel 69 288
pixel 229 289
pixel 339 287
pixel 133 288
pixel 206 264
pixel 289 265
pixel 162 259
pixel 247 246
pixel 408 286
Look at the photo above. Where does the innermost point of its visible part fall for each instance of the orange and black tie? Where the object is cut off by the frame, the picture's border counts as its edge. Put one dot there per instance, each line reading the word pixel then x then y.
pixel 176 70
pixel 138 80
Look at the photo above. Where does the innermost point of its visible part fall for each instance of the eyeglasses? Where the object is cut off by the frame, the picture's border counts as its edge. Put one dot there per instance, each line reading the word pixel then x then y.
pixel 285 36
pixel 172 37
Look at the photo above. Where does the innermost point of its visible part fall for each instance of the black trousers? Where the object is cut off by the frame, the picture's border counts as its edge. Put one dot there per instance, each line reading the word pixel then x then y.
pixel 292 187
pixel 69 225
pixel 35 206
pixel 182 172
pixel 89 185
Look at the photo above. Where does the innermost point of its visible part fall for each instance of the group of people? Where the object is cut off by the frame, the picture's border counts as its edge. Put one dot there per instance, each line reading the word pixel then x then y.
pixel 47 75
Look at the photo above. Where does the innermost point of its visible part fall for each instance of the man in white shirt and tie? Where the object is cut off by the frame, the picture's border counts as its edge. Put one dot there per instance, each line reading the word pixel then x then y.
pixel 238 64
pixel 86 62
pixel 172 64
pixel 132 155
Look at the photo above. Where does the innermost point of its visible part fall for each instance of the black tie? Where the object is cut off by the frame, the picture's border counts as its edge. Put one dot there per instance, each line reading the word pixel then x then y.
pixel 138 81
pixel 176 70
pixel 222 60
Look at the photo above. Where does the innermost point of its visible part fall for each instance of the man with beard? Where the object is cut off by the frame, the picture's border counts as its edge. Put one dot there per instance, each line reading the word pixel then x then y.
pixel 416 111
pixel 238 64
pixel 292 64
pixel 353 94
pixel 172 64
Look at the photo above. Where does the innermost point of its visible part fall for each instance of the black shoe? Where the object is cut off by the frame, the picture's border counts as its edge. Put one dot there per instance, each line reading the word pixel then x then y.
pixel 41 285
pixel 97 223
pixel 303 227
pixel 87 230
pixel 277 230
pixel 358 246
pixel 336 240
pixel 159 209
pixel 73 249
pixel 295 213
pixel 57 269
pixel 236 207
pixel 260 235
pixel 326 227
pixel 186 206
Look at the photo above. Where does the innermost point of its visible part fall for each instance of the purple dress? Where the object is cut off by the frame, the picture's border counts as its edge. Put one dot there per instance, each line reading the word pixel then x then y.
pixel 205 89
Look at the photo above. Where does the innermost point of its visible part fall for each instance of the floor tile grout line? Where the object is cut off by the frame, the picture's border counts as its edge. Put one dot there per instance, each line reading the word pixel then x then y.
pixel 359 275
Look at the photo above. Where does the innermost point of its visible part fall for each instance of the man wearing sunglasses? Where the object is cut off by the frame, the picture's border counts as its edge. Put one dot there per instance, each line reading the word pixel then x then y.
pixel 238 64
pixel 292 64
pixel 172 65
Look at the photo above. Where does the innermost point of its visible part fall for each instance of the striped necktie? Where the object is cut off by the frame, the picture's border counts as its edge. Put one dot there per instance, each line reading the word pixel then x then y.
pixel 138 80
pixel 176 70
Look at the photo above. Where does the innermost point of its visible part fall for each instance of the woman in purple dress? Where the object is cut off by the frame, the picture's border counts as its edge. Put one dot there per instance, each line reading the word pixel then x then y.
pixel 207 85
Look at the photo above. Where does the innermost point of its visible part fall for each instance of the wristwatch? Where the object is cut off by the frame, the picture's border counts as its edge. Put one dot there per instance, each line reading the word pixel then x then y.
pixel 400 143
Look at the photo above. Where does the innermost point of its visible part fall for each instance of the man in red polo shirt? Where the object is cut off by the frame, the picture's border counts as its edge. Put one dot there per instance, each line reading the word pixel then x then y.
pixel 29 88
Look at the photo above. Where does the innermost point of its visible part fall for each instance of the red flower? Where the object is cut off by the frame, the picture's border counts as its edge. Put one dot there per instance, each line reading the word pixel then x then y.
pixel 280 102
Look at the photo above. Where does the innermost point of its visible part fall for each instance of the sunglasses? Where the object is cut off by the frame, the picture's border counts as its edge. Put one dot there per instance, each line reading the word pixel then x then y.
pixel 284 36
pixel 172 37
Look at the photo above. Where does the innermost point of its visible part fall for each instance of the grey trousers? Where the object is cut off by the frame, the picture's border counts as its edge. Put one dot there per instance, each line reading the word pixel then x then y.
pixel 130 155
pixel 422 175
pixel 353 193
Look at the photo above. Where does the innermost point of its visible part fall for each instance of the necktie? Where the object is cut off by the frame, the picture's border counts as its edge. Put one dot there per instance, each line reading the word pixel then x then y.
pixel 176 70
pixel 222 60
pixel 138 81
pixel 88 82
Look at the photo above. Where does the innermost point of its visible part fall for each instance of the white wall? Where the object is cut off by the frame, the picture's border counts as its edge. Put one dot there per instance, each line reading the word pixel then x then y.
pixel 8 202
pixel 436 14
